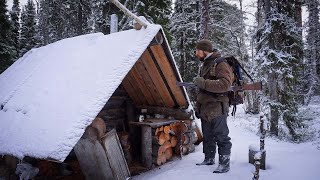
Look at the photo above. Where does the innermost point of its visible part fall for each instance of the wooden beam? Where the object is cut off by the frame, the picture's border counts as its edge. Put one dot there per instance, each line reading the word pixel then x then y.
pixel 141 69
pixel 157 79
pixel 175 113
pixel 169 74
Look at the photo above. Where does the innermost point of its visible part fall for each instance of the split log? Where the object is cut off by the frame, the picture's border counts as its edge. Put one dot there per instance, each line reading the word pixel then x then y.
pixel 191 148
pixel 168 137
pixel 199 135
pixel 158 130
pixel 100 125
pixel 173 141
pixel 168 153
pixel 194 137
pixel 91 133
pixel 188 148
pixel 161 159
pixel 186 138
pixel 174 129
pixel 166 129
pixel 164 147
pixel 184 149
pixel 162 138
pixel 161 128
pixel 178 150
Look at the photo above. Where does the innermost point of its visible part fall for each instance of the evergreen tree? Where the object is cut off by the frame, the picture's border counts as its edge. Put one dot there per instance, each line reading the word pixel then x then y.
pixel 61 19
pixel 15 17
pixel 278 55
pixel 43 22
pixel 7 51
pixel 98 19
pixel 185 32
pixel 28 34
pixel 313 51
pixel 157 12
pixel 227 29
pixel 184 28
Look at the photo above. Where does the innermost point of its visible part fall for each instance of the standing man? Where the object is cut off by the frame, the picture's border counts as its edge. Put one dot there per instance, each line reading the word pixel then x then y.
pixel 212 105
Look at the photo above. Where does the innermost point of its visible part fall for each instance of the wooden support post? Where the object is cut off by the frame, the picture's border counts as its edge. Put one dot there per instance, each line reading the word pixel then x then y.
pixel 146 146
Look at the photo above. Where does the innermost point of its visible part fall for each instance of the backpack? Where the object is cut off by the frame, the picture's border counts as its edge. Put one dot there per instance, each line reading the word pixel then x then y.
pixel 235 97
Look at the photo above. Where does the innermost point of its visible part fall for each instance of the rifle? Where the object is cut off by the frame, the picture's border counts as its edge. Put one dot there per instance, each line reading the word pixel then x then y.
pixel 244 87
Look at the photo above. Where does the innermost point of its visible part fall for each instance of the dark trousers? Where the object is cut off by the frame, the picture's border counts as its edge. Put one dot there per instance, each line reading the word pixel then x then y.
pixel 215 132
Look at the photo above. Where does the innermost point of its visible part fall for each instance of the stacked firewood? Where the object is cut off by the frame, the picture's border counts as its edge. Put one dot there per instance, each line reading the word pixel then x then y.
pixel 189 138
pixel 171 139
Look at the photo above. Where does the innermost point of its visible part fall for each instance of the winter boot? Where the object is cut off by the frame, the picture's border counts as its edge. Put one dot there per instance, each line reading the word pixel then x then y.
pixel 224 164
pixel 206 161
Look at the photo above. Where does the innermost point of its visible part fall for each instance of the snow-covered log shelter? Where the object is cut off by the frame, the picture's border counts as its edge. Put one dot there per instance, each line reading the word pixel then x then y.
pixel 53 93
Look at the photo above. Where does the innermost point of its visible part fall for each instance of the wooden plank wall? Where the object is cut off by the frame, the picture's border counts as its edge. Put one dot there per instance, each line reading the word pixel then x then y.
pixel 152 81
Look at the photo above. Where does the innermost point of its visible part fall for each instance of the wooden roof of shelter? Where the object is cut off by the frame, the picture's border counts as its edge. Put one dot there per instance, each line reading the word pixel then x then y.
pixel 152 80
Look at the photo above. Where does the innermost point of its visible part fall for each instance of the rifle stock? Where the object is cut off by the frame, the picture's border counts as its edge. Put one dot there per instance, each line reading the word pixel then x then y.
pixel 245 87
pixel 248 87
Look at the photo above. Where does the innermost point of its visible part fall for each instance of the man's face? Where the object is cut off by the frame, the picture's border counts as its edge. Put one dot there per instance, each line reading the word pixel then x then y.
pixel 200 54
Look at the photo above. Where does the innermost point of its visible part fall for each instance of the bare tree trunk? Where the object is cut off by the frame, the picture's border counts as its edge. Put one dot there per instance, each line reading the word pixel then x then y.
pixel 80 22
pixel 204 31
pixel 272 81
pixel 298 14
pixel 259 14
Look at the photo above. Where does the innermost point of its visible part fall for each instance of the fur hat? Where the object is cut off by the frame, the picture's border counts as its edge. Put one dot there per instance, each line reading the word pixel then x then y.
pixel 204 45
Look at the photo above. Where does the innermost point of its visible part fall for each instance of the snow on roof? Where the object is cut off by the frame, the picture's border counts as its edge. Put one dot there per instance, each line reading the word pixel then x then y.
pixel 50 95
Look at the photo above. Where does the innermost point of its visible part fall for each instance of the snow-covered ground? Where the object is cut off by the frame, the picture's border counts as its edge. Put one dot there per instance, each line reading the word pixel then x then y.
pixel 284 160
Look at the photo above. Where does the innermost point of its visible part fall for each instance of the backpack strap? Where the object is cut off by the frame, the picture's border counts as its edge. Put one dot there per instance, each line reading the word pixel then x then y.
pixel 220 60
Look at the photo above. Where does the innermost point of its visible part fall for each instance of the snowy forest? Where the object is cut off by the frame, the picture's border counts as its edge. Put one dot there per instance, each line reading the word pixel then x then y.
pixel 281 48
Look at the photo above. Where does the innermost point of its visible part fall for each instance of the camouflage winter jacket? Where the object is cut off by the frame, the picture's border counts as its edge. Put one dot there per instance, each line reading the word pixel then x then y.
pixel 213 100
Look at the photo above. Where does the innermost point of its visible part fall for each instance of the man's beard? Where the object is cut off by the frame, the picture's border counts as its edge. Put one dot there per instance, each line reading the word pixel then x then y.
pixel 201 59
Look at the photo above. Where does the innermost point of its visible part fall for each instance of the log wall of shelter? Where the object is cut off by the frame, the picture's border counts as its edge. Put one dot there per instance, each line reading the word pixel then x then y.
pixel 114 111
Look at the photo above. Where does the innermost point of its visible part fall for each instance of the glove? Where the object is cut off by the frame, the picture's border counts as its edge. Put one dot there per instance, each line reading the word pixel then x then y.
pixel 199 82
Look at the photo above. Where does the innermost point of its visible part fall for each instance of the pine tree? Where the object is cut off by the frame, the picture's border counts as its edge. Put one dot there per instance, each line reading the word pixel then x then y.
pixel 185 32
pixel 7 51
pixel 227 29
pixel 157 12
pixel 28 34
pixel 278 55
pixel 15 17
pixel 184 28
pixel 313 49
